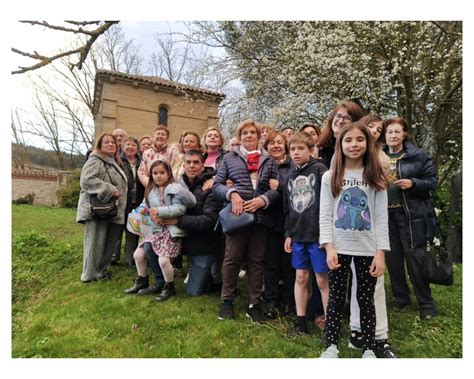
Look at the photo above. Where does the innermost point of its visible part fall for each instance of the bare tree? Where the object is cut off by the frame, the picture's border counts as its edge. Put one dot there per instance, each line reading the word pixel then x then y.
pixel 20 155
pixel 76 27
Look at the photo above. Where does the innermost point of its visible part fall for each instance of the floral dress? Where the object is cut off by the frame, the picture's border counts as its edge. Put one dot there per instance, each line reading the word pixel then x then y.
pixel 163 244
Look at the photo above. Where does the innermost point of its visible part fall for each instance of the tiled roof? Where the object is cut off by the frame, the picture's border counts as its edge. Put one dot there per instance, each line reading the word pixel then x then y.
pixel 149 81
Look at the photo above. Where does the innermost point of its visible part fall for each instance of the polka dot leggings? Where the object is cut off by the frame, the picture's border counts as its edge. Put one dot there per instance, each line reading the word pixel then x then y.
pixel 365 298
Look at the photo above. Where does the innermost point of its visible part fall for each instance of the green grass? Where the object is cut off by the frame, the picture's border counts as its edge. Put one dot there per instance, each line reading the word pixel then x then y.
pixel 55 315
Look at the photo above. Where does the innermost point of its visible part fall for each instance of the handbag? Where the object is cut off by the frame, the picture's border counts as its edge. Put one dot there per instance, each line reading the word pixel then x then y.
pixel 437 269
pixel 101 210
pixel 230 222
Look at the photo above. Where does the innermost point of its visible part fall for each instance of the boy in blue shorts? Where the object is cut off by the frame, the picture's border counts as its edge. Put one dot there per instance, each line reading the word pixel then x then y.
pixel 301 209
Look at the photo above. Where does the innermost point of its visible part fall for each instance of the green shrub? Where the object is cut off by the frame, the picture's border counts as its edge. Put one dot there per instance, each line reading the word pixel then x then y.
pixel 27 199
pixel 68 197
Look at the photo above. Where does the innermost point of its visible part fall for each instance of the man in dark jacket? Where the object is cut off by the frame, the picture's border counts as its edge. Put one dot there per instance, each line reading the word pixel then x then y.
pixel 203 243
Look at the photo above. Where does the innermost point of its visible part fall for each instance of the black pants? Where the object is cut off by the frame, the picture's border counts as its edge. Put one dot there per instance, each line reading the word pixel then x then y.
pixel 278 265
pixel 365 298
pixel 400 251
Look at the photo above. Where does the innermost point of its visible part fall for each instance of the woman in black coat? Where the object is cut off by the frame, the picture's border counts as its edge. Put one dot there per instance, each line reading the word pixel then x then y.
pixel 411 216
pixel 131 159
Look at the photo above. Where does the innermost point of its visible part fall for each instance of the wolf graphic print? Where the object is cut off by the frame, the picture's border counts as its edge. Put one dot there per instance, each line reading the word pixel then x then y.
pixel 353 210
pixel 302 192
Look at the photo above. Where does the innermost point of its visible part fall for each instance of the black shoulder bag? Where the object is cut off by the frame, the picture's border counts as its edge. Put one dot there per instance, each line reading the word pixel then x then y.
pixel 101 210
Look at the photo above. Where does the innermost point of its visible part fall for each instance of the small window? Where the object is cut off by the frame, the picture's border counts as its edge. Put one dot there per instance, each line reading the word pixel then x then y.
pixel 163 115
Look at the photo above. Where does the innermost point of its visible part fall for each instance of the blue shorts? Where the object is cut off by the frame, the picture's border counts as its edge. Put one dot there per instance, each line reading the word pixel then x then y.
pixel 307 255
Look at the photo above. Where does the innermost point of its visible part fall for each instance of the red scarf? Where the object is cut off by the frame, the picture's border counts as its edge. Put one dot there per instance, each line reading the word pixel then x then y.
pixel 252 161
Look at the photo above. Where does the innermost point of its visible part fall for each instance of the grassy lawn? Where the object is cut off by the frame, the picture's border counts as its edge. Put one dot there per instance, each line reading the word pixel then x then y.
pixel 54 315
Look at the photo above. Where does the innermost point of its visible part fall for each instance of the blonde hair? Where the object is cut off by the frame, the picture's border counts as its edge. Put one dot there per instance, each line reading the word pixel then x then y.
pixel 246 123
pixel 212 128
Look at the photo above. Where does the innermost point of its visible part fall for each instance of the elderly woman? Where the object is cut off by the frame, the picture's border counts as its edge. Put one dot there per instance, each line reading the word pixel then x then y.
pixel 277 262
pixel 250 170
pixel 145 143
pixel 160 149
pixel 130 161
pixel 411 216
pixel 101 176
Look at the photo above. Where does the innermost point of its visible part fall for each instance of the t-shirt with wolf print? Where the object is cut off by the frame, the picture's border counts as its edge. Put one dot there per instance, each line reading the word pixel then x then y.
pixel 356 221
pixel 301 202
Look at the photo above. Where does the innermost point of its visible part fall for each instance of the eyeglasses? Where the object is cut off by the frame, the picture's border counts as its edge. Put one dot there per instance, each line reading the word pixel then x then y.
pixel 338 116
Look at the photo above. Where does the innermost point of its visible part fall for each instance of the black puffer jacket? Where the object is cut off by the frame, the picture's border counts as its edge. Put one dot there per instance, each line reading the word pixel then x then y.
pixel 200 221
pixel 418 200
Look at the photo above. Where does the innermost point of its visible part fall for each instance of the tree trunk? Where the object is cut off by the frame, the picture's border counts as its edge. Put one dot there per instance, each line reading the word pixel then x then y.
pixel 454 241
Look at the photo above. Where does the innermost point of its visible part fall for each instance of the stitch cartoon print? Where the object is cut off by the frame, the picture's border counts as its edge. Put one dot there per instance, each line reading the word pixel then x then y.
pixel 353 210
pixel 302 192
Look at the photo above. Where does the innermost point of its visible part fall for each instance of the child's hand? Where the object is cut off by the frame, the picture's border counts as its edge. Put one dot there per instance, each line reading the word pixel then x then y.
pixel 153 212
pixel 331 258
pixel 287 245
pixel 377 268
pixel 274 184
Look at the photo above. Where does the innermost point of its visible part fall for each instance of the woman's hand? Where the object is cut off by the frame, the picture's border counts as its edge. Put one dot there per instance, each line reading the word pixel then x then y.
pixel 166 221
pixel 229 183
pixel 331 257
pixel 377 268
pixel 254 204
pixel 403 184
pixel 116 194
pixel 237 203
pixel 207 184
pixel 274 184
pixel 287 245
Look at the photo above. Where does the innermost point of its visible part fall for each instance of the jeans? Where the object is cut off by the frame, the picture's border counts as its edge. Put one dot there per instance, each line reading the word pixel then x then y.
pixel 199 274
pixel 154 265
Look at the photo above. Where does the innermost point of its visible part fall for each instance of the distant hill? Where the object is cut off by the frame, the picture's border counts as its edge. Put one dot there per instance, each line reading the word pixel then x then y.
pixel 36 158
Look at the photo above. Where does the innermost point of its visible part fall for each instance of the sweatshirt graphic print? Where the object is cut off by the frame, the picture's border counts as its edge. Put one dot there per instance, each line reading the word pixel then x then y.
pixel 356 221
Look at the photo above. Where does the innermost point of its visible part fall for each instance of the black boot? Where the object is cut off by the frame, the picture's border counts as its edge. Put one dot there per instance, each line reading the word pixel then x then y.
pixel 168 291
pixel 140 283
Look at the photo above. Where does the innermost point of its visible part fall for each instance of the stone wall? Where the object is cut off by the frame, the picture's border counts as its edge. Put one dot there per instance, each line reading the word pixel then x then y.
pixel 43 184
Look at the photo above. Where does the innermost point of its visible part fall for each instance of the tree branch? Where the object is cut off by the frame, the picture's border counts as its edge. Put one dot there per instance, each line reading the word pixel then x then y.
pixel 83 51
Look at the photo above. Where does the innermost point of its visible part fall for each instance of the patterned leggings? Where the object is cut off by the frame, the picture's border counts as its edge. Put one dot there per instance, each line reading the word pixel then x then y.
pixel 365 298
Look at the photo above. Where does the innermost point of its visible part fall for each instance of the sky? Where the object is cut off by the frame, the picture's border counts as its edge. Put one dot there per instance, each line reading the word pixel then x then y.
pixel 142 30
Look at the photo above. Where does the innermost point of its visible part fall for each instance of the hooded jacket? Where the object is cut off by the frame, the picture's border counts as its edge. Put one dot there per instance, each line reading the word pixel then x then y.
pixel 302 201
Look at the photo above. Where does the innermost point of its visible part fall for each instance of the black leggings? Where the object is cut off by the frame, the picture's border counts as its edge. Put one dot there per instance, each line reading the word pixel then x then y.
pixel 365 298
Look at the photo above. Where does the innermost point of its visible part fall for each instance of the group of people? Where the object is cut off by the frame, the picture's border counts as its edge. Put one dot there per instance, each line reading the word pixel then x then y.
pixel 329 204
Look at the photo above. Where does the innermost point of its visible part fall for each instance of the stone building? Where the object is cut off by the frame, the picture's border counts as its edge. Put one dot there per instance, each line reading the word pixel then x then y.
pixel 137 104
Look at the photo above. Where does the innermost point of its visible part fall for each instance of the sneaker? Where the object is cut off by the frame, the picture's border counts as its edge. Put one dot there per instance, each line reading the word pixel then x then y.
pixel 369 354
pixel 254 312
pixel 226 312
pixel 355 340
pixel 271 312
pixel 331 352
pixel 151 290
pixel 320 322
pixel 383 349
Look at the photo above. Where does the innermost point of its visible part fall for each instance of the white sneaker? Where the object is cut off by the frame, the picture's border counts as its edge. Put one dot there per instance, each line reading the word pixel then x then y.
pixel 369 354
pixel 331 352
pixel 242 273
pixel 185 281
